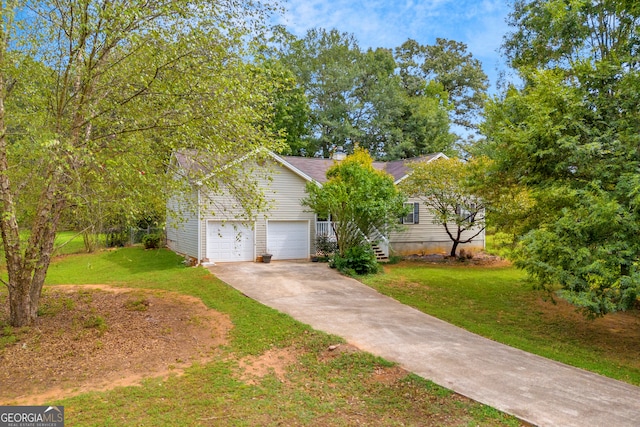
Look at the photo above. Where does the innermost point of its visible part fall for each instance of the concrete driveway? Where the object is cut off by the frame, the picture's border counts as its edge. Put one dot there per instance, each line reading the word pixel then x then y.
pixel 534 389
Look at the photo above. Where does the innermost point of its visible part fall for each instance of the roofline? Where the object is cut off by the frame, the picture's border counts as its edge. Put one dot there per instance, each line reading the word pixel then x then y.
pixel 437 156
pixel 293 168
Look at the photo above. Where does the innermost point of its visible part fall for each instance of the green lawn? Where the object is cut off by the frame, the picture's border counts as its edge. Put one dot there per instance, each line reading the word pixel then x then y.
pixel 498 304
pixel 339 391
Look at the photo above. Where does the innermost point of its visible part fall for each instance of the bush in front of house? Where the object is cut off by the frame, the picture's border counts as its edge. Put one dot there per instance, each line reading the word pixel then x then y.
pixel 325 246
pixel 153 241
pixel 357 260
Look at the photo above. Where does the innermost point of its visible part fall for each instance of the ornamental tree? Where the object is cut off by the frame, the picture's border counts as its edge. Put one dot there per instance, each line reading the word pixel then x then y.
pixel 363 202
pixel 445 187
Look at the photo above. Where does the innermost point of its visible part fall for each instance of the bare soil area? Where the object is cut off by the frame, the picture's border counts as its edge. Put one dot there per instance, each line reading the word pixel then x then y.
pixel 99 337
pixel 472 259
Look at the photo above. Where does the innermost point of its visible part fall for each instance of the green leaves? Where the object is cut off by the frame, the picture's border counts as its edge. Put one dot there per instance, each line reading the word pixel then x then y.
pixel 362 201
pixel 588 252
pixel 569 139
pixel 447 188
pixel 101 94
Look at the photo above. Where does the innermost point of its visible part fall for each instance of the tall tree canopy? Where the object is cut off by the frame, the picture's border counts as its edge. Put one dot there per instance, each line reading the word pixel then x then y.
pixel 94 96
pixel 357 97
pixel 571 139
pixel 448 64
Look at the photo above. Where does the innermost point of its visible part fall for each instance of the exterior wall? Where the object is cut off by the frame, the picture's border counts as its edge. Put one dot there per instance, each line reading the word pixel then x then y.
pixel 429 238
pixel 182 225
pixel 283 191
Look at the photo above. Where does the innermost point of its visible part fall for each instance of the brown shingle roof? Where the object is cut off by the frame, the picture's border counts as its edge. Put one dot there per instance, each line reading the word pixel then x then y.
pixel 316 168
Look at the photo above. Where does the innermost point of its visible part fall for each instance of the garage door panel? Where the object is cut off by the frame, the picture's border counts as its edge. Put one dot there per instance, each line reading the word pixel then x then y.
pixel 288 239
pixel 229 241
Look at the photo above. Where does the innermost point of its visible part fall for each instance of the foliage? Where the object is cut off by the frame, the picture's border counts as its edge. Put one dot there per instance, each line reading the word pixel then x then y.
pixel 153 241
pixel 325 246
pixel 357 260
pixel 94 98
pixel 448 64
pixel 356 98
pixel 291 107
pixel 569 140
pixel 362 202
pixel 446 188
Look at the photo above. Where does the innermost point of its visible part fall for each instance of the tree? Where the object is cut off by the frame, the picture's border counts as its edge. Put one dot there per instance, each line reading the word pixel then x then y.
pixel 363 202
pixel 325 64
pixel 570 139
pixel 356 98
pixel 448 64
pixel 120 86
pixel 291 107
pixel 445 186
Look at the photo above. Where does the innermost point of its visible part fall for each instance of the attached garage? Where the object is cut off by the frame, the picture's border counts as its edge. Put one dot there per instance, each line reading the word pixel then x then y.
pixel 288 239
pixel 229 241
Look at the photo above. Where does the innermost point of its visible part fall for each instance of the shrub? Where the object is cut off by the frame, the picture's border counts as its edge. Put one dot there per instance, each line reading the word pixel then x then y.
pixel 117 237
pixel 356 260
pixel 152 241
pixel 325 247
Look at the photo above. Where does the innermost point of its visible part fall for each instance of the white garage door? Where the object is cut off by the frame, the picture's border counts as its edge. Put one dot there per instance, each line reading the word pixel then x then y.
pixel 229 241
pixel 288 239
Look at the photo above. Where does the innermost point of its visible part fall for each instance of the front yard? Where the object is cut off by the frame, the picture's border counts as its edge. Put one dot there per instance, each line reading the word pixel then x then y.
pixel 269 369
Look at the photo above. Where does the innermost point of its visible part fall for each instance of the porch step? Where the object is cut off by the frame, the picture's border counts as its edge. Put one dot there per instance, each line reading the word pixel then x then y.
pixel 380 256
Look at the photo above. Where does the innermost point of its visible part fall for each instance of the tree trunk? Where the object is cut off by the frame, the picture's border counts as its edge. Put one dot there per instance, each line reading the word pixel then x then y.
pixel 24 299
pixel 454 248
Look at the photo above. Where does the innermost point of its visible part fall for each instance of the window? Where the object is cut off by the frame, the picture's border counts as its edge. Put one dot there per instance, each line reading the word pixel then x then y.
pixel 467 213
pixel 413 215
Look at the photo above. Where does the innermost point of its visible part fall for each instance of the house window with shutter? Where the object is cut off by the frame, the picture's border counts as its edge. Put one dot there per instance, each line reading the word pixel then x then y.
pixel 414 214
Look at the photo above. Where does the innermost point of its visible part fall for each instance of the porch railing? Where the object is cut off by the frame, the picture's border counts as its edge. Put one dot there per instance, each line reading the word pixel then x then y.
pixel 324 228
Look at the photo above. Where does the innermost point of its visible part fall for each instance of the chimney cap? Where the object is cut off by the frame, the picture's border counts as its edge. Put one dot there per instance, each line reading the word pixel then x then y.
pixel 339 154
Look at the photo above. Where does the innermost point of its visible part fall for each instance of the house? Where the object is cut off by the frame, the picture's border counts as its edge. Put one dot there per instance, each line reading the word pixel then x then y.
pixel 214 231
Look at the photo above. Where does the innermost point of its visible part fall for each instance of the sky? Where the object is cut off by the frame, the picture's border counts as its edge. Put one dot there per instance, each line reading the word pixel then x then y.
pixel 480 24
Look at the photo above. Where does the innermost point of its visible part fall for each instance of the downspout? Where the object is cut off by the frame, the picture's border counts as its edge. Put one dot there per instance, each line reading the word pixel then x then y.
pixel 199 219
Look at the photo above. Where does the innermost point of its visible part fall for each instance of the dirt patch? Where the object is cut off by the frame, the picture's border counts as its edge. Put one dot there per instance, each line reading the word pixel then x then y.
pixel 336 350
pixel 99 337
pixel 274 361
pixel 476 259
pixel 388 375
pixel 618 334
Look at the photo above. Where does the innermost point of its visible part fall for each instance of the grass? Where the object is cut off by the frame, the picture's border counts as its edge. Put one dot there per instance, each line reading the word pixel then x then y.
pixel 336 391
pixel 498 304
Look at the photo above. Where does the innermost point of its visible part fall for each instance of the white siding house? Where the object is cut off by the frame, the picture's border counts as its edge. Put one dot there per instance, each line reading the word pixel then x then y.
pixel 214 229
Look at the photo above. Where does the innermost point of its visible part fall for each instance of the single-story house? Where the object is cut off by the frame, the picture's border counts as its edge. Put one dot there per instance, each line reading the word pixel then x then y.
pixel 214 231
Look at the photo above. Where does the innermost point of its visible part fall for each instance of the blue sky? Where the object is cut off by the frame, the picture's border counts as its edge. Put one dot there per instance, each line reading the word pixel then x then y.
pixel 479 24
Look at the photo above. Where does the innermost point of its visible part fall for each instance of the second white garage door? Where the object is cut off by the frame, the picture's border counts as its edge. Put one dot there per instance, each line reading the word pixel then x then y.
pixel 229 241
pixel 288 239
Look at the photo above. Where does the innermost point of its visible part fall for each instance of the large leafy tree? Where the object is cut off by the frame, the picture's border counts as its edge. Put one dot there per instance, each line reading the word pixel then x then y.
pixel 363 202
pixel 325 64
pixel 448 64
pixel 447 189
pixel 94 96
pixel 357 98
pixel 570 139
